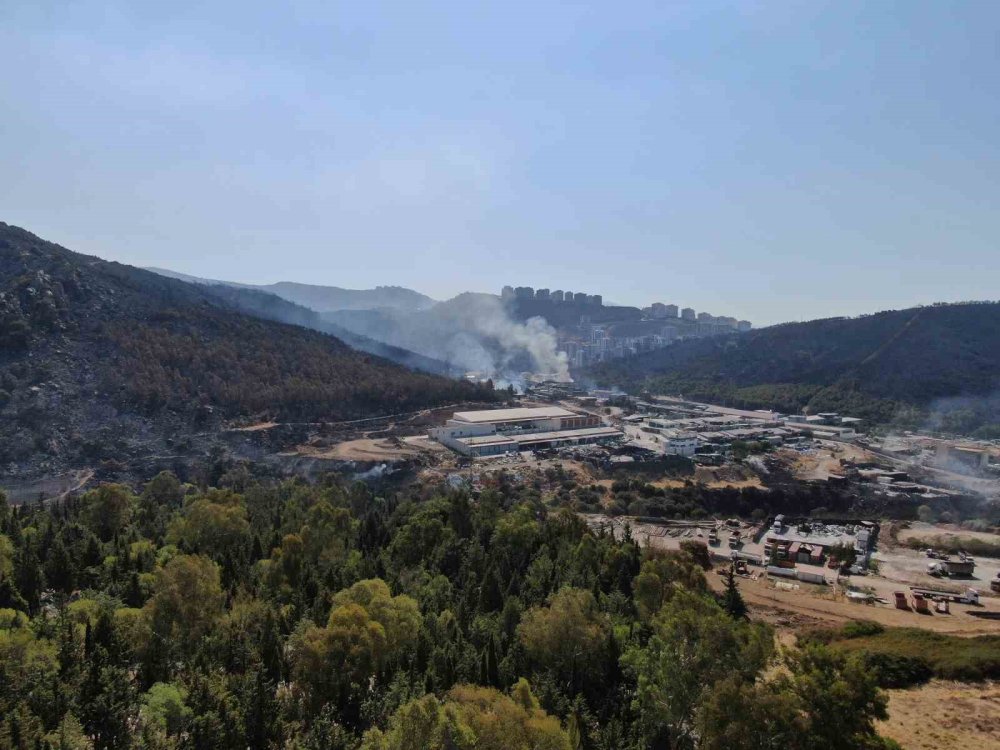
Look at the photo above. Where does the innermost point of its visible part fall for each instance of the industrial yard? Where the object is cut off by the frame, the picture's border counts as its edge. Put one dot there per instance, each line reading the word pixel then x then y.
pixel 812 592
pixel 584 450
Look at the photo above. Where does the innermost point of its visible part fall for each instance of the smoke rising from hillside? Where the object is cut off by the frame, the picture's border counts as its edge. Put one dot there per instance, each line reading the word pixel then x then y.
pixel 975 416
pixel 472 332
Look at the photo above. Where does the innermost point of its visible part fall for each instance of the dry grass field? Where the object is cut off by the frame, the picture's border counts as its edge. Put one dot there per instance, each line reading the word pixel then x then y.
pixel 941 715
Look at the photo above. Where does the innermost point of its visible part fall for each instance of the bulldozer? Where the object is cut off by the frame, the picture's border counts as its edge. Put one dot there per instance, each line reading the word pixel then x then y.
pixel 739 567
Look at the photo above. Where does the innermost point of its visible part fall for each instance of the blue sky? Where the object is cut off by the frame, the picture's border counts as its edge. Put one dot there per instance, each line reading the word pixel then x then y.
pixel 773 161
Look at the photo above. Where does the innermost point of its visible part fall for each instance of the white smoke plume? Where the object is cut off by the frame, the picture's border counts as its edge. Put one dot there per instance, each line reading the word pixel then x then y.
pixel 536 337
pixel 473 332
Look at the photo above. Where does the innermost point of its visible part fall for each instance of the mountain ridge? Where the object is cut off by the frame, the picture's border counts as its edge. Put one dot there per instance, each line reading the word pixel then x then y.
pixel 102 361
pixel 895 365
pixel 319 297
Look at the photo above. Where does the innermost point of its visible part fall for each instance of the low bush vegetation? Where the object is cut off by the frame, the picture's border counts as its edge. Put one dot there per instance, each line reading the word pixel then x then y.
pixel 952 544
pixel 908 656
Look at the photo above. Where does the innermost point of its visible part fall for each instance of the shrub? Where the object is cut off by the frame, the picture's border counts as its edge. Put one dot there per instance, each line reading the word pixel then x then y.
pixel 904 653
pixel 861 628
pixel 896 671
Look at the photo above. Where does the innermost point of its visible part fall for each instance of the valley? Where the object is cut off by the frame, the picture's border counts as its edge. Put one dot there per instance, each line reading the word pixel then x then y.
pixel 120 381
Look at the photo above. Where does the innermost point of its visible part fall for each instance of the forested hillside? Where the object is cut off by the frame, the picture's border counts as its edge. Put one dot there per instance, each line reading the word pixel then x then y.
pixel 314 617
pixel 272 307
pixel 94 353
pixel 942 360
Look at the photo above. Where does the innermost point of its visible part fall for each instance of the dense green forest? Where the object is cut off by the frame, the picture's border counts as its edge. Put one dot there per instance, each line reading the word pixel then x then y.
pixel 936 366
pixel 89 348
pixel 253 614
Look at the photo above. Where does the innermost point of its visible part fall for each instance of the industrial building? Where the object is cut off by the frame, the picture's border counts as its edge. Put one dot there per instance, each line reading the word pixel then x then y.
pixel 682 444
pixel 961 458
pixel 494 431
pixel 807 542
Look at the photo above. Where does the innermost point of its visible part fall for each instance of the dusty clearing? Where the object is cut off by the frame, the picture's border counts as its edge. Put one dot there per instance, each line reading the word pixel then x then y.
pixel 909 568
pixel 811 605
pixel 365 449
pixel 945 715
pixel 820 462
pixel 716 477
pixel 919 530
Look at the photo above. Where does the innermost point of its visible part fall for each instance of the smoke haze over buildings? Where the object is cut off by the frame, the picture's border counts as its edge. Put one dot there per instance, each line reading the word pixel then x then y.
pixel 473 333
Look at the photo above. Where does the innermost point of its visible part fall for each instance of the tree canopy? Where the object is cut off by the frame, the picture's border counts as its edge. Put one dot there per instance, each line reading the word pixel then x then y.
pixel 271 614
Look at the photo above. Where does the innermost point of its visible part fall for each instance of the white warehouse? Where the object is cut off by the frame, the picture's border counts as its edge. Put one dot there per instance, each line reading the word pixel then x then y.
pixel 494 431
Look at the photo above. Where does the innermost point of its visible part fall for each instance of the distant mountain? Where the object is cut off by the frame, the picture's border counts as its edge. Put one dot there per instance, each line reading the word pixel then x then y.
pixel 922 363
pixel 272 307
pixel 100 361
pixel 325 298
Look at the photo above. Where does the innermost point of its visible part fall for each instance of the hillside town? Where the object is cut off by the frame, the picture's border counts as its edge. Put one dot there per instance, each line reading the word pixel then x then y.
pixel 595 332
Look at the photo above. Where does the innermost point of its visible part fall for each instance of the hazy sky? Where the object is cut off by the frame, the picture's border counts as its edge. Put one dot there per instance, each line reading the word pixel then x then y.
pixel 772 161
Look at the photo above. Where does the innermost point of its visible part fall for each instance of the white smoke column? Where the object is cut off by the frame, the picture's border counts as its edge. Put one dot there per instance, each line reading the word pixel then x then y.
pixel 375 472
pixel 474 332
pixel 466 350
pixel 536 336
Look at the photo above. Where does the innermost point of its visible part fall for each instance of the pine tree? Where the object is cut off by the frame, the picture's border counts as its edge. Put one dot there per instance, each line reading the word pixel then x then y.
pixel 732 600
pixel 30 579
pixel 60 571
pixel 490 595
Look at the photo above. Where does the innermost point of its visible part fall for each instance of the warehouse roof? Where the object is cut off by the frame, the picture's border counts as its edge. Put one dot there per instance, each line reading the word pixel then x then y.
pixel 487 440
pixel 513 415
pixel 544 437
pixel 541 437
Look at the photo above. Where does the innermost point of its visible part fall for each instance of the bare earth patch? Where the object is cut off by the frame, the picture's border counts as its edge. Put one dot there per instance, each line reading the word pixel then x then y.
pixel 918 530
pixel 809 604
pixel 365 449
pixel 256 427
pixel 944 714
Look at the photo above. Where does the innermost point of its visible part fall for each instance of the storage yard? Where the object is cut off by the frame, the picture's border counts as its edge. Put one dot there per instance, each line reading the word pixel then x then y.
pixel 812 592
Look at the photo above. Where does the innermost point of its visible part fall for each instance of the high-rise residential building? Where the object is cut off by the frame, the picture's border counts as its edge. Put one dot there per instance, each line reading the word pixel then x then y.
pixel 743 325
pixel 704 317
pixel 597 299
pixel 658 310
pixel 542 294
pixel 580 298
pixel 556 296
pixel 688 314
pixel 507 292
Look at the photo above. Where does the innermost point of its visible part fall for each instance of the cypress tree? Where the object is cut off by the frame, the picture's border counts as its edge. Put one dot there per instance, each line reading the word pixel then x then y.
pixel 732 600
